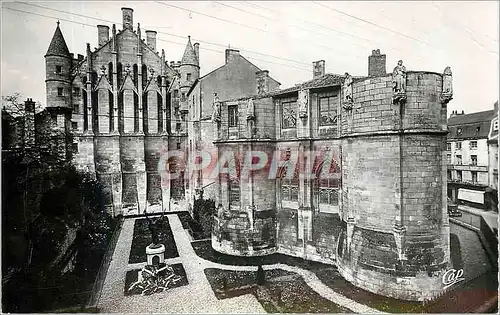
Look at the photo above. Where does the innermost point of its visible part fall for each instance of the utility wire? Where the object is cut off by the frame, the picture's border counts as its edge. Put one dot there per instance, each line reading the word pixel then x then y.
pixel 159 32
pixel 159 39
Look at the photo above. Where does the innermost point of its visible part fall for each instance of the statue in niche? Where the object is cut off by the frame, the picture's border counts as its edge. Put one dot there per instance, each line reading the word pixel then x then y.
pixel 250 110
pixel 103 70
pixel 151 72
pixel 347 90
pixel 399 78
pixel 303 102
pixel 216 112
pixel 447 93
pixel 127 68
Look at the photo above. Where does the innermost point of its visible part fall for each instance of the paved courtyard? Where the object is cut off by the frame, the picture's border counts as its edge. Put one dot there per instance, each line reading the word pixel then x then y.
pixel 197 296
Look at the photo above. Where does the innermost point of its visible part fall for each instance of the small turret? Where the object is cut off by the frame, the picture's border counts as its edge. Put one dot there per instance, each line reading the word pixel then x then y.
pixel 58 63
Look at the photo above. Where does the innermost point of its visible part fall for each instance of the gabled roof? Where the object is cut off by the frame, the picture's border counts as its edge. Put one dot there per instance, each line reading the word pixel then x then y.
pixel 58 45
pixel 189 56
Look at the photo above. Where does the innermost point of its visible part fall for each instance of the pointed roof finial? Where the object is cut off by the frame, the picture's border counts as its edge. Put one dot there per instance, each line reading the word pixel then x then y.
pixel 57 45
pixel 58 23
pixel 189 56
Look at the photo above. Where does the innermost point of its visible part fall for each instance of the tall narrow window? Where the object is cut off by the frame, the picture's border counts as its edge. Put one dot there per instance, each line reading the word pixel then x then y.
pixel 188 77
pixel 459 176
pixel 328 110
pixel 448 146
pixel 458 145
pixel 459 159
pixel 60 91
pixel 232 115
pixel 448 156
pixel 474 177
pixel 110 73
pixel 234 193
pixel 289 117
pixel 58 69
pixel 473 159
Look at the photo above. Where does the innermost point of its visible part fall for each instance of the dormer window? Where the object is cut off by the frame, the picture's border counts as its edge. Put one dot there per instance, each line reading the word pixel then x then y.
pixel 58 69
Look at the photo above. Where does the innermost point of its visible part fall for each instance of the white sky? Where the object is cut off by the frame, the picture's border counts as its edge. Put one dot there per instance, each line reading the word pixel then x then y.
pixel 290 34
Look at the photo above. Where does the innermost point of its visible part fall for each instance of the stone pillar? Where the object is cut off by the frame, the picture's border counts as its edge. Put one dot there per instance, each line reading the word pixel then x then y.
pixel 117 190
pixel 140 91
pixel 116 122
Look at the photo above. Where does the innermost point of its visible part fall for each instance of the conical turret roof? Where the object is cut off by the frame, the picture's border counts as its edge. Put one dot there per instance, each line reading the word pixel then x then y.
pixel 189 56
pixel 58 45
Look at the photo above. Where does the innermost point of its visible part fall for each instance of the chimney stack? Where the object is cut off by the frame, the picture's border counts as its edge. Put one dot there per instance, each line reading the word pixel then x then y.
pixel 197 50
pixel 376 64
pixel 262 81
pixel 318 68
pixel 151 39
pixel 102 34
pixel 231 54
pixel 128 18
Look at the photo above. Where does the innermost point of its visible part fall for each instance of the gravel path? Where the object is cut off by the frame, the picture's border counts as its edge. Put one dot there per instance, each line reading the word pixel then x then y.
pixel 197 297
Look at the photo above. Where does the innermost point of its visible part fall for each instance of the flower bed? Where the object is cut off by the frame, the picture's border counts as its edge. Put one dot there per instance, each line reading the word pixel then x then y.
pixel 154 281
pixel 282 292
pixel 194 228
pixel 142 238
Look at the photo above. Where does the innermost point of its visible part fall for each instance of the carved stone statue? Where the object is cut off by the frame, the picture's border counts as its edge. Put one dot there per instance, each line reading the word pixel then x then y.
pixel 153 229
pixel 216 112
pixel 399 78
pixel 127 68
pixel 250 110
pixel 303 102
pixel 103 70
pixel 447 93
pixel 347 90
pixel 151 72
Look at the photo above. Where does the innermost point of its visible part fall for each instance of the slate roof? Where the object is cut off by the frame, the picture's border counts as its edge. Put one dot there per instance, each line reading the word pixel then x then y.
pixel 470 126
pixel 58 45
pixel 326 80
pixel 189 56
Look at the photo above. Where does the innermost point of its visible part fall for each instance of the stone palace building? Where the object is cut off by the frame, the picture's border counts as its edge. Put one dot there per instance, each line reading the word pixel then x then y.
pixel 380 215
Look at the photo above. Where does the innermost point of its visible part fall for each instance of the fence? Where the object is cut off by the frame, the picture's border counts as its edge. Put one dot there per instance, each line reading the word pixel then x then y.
pixel 103 269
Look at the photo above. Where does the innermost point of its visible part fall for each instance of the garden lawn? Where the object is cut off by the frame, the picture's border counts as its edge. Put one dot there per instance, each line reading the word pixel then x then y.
pixel 195 229
pixel 204 250
pixel 282 292
pixel 131 277
pixel 142 238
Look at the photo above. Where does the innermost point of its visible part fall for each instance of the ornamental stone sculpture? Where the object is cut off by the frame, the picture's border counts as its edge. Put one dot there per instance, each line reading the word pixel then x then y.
pixel 103 70
pixel 399 82
pixel 216 113
pixel 447 94
pixel 347 90
pixel 303 102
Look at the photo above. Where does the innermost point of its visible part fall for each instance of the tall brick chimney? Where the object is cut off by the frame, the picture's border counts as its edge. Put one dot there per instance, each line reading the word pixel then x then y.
pixel 318 68
pixel 376 64
pixel 231 54
pixel 151 39
pixel 102 34
pixel 262 81
pixel 29 123
pixel 128 18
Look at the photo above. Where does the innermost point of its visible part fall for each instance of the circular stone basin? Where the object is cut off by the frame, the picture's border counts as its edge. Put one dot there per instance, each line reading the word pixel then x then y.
pixel 153 249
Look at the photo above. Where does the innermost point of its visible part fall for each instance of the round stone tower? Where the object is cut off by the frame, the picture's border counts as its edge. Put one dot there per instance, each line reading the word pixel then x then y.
pixel 58 63
pixel 395 231
pixel 189 71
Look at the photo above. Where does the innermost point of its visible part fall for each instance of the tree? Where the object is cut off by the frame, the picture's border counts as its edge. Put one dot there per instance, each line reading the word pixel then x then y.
pixel 13 105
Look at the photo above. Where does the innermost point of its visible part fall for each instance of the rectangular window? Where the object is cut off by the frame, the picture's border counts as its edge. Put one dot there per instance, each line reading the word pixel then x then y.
pixel 459 176
pixel 60 91
pixel 328 110
pixel 58 69
pixel 232 111
pixel 495 125
pixel 188 77
pixel 183 97
pixel 473 159
pixel 474 177
pixel 74 125
pixel 473 145
pixel 178 145
pixel 458 145
pixel 448 146
pixel 459 159
pixel 449 158
pixel 449 175
pixel 289 115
